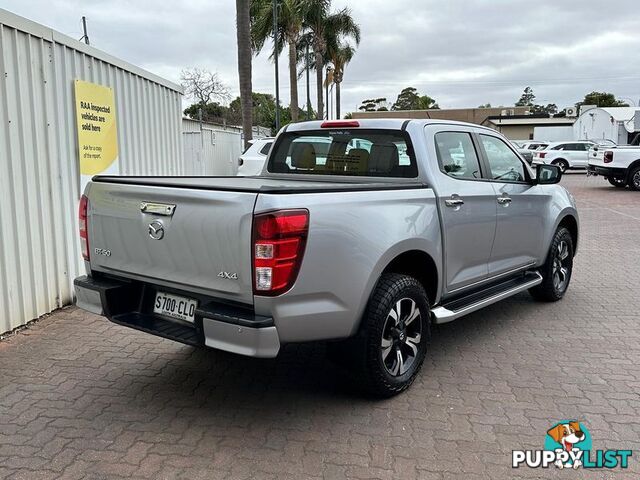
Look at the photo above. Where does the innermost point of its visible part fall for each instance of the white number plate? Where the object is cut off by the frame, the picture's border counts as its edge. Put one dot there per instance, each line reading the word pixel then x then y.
pixel 175 306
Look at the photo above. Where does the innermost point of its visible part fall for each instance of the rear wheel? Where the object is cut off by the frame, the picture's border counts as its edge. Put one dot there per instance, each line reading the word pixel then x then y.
pixel 617 182
pixel 392 341
pixel 556 272
pixel 563 164
pixel 634 179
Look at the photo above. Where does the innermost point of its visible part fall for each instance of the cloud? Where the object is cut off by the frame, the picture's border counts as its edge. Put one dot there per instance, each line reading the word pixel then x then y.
pixel 461 52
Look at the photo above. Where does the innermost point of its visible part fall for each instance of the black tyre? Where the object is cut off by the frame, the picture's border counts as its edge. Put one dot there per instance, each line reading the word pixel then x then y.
pixel 634 179
pixel 617 182
pixel 392 341
pixel 563 164
pixel 556 272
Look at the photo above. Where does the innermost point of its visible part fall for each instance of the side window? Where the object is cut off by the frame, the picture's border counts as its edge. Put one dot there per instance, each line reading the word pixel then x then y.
pixel 562 146
pixel 581 147
pixel 457 155
pixel 504 163
pixel 265 149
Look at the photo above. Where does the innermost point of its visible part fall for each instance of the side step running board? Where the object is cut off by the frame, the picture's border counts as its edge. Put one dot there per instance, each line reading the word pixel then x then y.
pixel 450 310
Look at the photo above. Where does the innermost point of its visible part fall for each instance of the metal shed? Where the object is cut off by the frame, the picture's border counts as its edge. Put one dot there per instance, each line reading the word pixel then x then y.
pixel 39 174
pixel 213 149
pixel 619 124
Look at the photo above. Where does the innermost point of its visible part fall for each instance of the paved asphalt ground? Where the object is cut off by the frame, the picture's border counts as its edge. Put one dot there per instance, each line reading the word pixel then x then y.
pixel 82 398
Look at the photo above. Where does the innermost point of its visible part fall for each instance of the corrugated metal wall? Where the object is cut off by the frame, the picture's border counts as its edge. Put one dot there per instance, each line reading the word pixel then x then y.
pixel 210 149
pixel 39 178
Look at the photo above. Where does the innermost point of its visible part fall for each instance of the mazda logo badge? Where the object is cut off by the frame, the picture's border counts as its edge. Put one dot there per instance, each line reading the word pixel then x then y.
pixel 156 230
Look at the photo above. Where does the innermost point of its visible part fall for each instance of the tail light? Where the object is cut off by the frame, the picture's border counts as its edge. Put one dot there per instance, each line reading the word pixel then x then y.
pixel 608 156
pixel 84 226
pixel 542 154
pixel 279 239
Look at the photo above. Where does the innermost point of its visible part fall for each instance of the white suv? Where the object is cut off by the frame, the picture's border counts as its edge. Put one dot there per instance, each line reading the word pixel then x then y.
pixel 252 160
pixel 574 154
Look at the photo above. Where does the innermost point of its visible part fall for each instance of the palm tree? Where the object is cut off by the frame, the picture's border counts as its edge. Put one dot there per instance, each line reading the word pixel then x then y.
pixel 339 54
pixel 243 32
pixel 323 26
pixel 289 31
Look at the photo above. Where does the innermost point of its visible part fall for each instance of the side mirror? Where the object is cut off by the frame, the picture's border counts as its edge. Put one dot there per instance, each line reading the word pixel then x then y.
pixel 548 174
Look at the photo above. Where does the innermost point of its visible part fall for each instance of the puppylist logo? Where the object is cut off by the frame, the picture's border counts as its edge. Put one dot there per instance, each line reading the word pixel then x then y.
pixel 568 445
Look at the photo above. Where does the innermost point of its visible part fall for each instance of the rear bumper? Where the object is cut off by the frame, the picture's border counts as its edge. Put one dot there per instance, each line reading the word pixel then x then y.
pixel 217 325
pixel 607 171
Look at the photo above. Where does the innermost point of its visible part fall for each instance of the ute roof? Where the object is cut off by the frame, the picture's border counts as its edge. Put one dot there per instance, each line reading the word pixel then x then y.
pixel 387 123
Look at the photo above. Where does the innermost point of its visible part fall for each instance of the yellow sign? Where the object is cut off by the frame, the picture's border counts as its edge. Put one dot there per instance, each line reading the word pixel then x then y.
pixel 97 129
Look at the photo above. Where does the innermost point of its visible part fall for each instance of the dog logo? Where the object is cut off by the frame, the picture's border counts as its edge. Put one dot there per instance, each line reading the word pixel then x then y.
pixel 567 436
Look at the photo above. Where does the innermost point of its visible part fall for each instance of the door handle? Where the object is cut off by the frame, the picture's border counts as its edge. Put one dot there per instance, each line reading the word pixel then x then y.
pixel 454 202
pixel 504 200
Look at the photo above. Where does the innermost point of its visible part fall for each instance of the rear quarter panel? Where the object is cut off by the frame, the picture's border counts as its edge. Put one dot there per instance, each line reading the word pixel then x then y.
pixel 353 236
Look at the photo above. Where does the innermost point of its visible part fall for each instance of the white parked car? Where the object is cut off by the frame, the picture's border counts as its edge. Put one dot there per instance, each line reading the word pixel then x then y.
pixel 252 160
pixel 572 154
pixel 534 145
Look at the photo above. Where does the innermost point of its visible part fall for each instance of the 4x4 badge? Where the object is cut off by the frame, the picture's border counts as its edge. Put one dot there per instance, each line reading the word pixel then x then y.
pixel 228 276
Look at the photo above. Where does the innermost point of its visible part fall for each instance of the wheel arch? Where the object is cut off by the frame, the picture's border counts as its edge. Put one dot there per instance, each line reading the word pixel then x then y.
pixel 570 222
pixel 420 265
pixel 630 168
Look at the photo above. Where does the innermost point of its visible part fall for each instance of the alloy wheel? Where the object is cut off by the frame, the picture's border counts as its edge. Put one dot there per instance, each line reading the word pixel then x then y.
pixel 636 180
pixel 401 337
pixel 561 267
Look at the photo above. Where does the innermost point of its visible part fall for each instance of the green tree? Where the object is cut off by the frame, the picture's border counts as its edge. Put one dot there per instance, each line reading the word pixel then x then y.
pixel 425 102
pixel 321 25
pixel 243 38
pixel 374 105
pixel 485 105
pixel 211 112
pixel 264 112
pixel 550 109
pixel 289 31
pixel 527 98
pixel 409 99
pixel 340 54
pixel 602 99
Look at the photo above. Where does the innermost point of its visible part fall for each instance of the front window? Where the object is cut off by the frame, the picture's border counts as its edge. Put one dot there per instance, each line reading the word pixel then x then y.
pixel 353 152
pixel 505 165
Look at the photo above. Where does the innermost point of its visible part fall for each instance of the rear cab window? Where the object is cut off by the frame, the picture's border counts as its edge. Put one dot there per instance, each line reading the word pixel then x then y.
pixel 351 152
pixel 457 155
pixel 265 148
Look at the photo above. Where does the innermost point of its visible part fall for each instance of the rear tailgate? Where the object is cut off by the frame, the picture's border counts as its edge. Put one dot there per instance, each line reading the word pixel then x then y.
pixel 204 246
pixel 596 157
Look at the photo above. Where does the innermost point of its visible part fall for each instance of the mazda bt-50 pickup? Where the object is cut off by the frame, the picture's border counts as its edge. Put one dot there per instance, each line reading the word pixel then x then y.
pixel 360 233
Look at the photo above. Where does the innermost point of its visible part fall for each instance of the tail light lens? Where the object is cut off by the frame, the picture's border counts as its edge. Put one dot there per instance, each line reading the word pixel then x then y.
pixel 340 124
pixel 608 156
pixel 84 226
pixel 542 154
pixel 279 240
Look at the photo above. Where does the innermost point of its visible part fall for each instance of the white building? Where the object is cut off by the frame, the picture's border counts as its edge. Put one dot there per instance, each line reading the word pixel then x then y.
pixel 619 124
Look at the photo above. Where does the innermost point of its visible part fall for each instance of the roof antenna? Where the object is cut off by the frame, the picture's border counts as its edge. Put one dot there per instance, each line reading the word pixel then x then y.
pixel 84 37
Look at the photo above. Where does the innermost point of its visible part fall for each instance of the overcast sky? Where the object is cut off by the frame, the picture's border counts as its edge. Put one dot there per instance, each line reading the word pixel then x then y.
pixel 461 52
